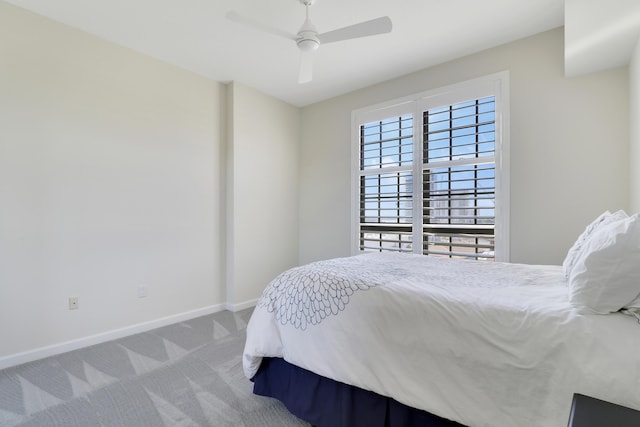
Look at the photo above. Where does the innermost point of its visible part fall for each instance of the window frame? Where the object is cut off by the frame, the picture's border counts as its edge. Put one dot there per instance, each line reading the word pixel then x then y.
pixel 496 85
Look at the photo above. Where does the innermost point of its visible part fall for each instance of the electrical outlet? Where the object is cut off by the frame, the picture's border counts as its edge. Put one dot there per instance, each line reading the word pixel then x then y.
pixel 142 291
pixel 73 303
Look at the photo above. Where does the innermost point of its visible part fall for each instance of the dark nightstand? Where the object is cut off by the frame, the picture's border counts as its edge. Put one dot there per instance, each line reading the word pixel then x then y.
pixel 590 412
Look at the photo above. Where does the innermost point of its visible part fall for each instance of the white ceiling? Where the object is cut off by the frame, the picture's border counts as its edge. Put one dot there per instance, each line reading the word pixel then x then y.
pixel 195 35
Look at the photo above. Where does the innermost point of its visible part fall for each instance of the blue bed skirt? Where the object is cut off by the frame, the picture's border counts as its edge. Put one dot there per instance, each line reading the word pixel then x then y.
pixel 324 402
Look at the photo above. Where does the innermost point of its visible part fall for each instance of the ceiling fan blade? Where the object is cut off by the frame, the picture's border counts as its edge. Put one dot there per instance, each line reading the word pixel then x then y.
pixel 368 28
pixel 306 67
pixel 234 16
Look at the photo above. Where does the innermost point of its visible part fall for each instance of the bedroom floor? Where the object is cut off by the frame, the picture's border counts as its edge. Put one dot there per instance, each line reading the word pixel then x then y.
pixel 185 374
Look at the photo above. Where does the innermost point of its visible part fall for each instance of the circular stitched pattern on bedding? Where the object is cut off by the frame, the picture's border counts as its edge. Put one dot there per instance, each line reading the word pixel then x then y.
pixel 308 294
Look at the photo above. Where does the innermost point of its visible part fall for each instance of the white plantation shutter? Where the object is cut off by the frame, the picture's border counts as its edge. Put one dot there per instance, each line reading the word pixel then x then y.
pixel 459 180
pixel 386 184
pixel 427 181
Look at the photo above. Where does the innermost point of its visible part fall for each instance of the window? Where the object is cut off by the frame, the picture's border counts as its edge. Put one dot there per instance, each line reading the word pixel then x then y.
pixel 431 173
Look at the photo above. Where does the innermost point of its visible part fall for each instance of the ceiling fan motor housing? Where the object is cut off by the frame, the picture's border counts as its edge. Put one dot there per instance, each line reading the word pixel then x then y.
pixel 308 44
pixel 307 39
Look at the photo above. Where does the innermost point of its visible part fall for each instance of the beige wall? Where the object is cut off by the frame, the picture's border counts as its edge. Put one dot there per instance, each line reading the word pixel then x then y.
pixel 119 171
pixel 262 197
pixel 569 148
pixel 109 180
pixel 634 122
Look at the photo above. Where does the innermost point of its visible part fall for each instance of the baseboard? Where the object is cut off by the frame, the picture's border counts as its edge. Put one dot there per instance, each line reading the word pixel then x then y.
pixel 240 306
pixel 52 350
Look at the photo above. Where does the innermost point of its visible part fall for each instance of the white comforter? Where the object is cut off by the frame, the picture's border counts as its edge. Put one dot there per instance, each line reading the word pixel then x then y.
pixel 481 343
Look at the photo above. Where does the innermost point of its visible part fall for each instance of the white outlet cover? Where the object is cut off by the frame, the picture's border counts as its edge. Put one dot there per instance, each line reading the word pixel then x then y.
pixel 142 291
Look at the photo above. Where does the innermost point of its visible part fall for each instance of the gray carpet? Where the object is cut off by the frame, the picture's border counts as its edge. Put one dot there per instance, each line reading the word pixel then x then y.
pixel 185 374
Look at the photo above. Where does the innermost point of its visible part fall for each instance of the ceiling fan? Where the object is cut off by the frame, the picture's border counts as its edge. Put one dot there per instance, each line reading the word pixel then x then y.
pixel 309 40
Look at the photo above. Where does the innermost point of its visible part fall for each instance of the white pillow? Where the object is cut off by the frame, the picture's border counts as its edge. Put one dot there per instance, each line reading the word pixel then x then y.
pixel 606 276
pixel 574 252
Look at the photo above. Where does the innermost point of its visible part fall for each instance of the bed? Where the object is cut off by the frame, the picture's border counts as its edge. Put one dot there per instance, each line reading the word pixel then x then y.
pixel 469 342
